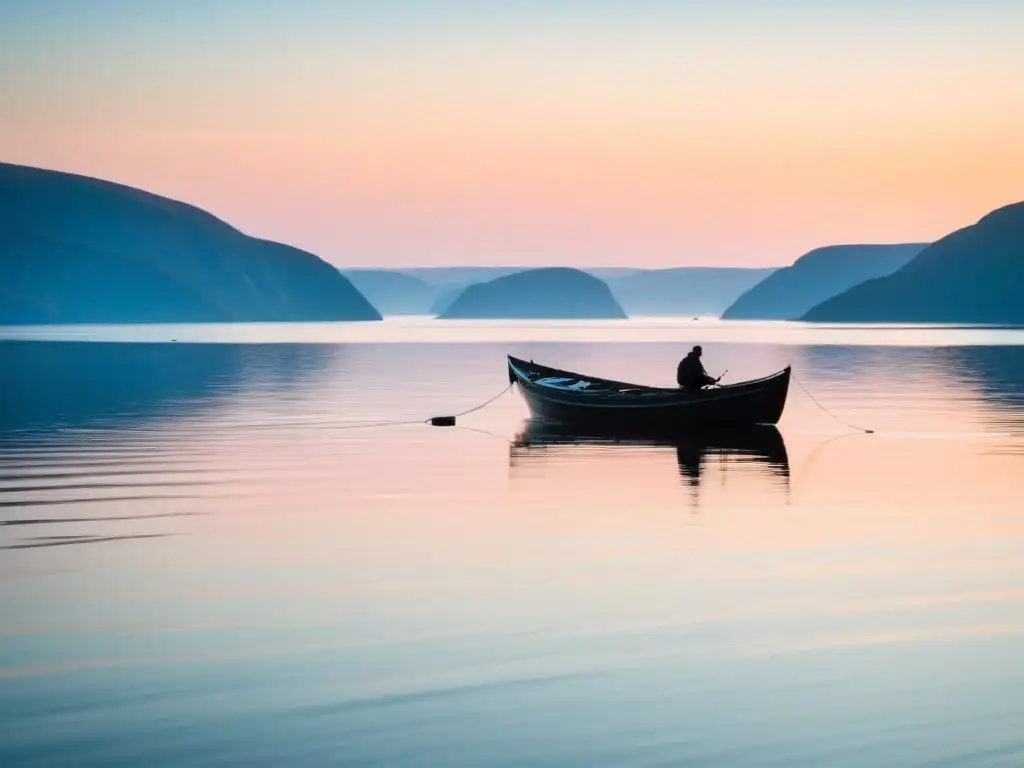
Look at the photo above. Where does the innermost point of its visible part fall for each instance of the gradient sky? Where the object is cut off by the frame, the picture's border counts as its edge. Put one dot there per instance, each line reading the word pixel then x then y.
pixel 580 133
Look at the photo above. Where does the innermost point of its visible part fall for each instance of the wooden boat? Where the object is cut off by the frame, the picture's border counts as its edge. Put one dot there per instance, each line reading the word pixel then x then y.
pixel 604 405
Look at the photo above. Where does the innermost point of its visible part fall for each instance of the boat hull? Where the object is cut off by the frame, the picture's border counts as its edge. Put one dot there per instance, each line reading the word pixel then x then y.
pixel 608 406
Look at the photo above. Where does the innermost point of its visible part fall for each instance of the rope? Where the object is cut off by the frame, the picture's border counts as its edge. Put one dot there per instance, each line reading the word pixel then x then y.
pixel 439 421
pixel 482 405
pixel 826 410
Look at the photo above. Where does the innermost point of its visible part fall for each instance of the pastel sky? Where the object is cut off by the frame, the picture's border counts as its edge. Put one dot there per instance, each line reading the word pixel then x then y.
pixel 525 132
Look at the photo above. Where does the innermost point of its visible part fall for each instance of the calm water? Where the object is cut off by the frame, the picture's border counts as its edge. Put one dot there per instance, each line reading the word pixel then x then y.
pixel 203 562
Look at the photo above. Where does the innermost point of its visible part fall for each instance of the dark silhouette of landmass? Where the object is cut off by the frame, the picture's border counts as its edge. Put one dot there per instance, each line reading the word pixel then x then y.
pixel 445 299
pixel 453 276
pixel 657 292
pixel 788 293
pixel 467 275
pixel 74 249
pixel 679 291
pixel 443 284
pixel 684 290
pixel 973 275
pixel 393 293
pixel 555 292
pixel 440 285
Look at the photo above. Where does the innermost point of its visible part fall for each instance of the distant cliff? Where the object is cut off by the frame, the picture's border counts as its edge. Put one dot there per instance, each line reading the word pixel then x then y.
pixel 553 293
pixel 79 250
pixel 393 292
pixel 788 293
pixel 974 275
pixel 684 290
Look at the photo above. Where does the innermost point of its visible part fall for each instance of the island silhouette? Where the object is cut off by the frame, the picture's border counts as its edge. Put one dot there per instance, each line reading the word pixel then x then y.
pixel 972 275
pixel 548 293
pixel 677 291
pixel 788 293
pixel 75 249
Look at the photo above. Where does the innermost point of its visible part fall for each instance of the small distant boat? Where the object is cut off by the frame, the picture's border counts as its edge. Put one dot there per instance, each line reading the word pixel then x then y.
pixel 615 406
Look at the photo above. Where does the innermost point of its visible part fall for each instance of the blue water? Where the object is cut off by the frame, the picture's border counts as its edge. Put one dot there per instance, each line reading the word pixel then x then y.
pixel 204 562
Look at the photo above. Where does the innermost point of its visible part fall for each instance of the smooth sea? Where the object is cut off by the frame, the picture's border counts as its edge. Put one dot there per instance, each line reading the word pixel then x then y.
pixel 211 553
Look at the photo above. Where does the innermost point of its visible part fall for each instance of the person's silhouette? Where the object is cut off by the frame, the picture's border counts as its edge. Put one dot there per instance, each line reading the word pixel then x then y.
pixel 690 373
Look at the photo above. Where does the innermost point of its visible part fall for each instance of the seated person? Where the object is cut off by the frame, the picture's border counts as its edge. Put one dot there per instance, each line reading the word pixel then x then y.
pixel 691 374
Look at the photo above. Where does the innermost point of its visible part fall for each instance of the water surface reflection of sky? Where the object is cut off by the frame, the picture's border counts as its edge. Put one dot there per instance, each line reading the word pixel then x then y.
pixel 204 562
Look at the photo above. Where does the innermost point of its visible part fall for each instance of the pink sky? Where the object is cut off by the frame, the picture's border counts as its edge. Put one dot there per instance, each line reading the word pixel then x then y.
pixel 653 138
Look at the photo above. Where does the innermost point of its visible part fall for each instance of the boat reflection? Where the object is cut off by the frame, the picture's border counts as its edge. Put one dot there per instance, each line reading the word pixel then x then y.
pixel 760 448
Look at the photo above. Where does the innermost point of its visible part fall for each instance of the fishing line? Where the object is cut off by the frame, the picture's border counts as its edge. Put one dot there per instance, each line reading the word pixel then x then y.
pixel 826 410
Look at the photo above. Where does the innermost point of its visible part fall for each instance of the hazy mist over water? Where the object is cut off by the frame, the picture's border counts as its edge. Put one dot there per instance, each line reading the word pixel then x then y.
pixel 203 561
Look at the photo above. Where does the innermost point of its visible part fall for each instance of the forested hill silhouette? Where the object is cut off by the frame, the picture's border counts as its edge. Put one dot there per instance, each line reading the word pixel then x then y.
pixel 555 292
pixel 789 293
pixel 75 249
pixel 973 275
